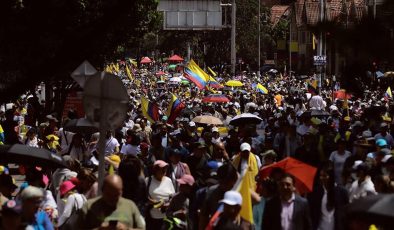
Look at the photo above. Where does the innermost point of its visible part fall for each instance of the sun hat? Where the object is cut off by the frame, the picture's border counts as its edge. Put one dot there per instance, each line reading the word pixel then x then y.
pixel 186 179
pixel 160 164
pixel 245 147
pixel 232 198
pixel 65 187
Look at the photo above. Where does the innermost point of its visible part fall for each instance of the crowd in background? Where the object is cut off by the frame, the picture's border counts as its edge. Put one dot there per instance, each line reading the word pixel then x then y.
pixel 177 175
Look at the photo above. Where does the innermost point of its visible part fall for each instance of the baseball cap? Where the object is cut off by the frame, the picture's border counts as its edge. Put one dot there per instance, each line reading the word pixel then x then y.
pixel 7 181
pixel 232 198
pixel 199 145
pixel 245 147
pixel 383 125
pixel 381 142
pixel 160 163
pixel 186 179
pixel 215 129
pixel 65 187
pixel 192 124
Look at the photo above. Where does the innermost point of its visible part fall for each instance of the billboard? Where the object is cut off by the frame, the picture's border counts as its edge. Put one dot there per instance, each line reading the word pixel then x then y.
pixel 191 15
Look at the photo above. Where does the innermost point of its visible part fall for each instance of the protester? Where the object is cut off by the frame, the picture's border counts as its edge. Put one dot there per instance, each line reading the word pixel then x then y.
pixel 160 190
pixel 229 219
pixel 288 210
pixel 32 217
pixel 110 210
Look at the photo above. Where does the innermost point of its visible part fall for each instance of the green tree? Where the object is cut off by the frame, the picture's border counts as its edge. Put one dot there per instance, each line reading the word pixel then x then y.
pixel 47 39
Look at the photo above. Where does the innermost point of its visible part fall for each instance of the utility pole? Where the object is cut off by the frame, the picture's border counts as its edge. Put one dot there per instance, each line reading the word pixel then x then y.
pixel 259 53
pixel 374 9
pixel 233 33
pixel 320 46
pixel 290 47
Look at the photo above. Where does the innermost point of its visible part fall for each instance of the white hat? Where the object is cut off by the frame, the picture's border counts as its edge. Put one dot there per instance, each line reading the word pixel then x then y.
pixel 215 129
pixel 386 158
pixel 245 146
pixel 232 198
pixel 192 124
pixel 31 192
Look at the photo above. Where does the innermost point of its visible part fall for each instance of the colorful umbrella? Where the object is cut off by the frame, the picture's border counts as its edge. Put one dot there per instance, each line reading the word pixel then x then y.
pixel 218 98
pixel 209 120
pixel 304 174
pixel 175 58
pixel 234 83
pixel 171 66
pixel 145 60
pixel 341 94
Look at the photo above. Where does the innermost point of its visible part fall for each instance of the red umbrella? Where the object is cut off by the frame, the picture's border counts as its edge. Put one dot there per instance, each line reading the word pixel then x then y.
pixel 303 173
pixel 175 58
pixel 341 94
pixel 145 60
pixel 215 98
pixel 160 73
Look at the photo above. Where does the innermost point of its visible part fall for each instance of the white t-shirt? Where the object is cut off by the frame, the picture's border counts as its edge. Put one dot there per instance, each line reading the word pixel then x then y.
pixel 327 221
pixel 338 162
pixel 159 190
pixel 130 150
pixel 110 145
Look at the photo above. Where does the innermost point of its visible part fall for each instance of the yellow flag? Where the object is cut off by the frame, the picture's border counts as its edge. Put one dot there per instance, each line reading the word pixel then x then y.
pixel 111 170
pixel 196 69
pixel 244 190
pixel 212 72
pixel 129 73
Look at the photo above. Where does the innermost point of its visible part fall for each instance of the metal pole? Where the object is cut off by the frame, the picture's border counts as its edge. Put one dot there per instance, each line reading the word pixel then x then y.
pixel 101 152
pixel 290 48
pixel 320 47
pixel 188 51
pixel 233 33
pixel 259 53
pixel 374 9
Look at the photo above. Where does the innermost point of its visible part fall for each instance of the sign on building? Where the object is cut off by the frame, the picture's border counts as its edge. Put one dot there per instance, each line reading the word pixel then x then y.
pixel 319 60
pixel 191 15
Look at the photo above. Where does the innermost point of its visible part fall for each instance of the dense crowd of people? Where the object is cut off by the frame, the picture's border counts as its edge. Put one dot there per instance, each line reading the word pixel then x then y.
pixel 178 175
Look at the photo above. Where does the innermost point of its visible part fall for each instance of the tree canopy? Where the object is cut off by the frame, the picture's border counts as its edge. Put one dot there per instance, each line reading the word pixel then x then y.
pixel 48 39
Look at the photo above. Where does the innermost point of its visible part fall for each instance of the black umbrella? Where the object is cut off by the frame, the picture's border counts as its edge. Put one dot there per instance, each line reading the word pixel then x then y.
pixel 374 209
pixel 315 113
pixel 22 154
pixel 81 125
pixel 245 118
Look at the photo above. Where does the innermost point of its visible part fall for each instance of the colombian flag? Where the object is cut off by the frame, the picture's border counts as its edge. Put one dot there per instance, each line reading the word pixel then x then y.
pixel 174 109
pixel 261 89
pixel 212 83
pixel 150 110
pixel 312 87
pixel 195 78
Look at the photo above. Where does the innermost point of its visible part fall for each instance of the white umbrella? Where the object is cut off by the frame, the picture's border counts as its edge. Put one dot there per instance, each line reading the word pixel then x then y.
pixel 175 79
